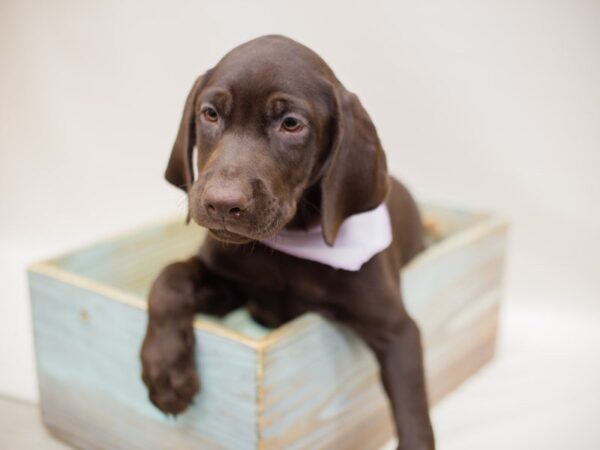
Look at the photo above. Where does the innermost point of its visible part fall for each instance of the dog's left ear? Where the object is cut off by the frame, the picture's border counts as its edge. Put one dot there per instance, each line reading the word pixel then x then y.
pixel 356 177
pixel 180 170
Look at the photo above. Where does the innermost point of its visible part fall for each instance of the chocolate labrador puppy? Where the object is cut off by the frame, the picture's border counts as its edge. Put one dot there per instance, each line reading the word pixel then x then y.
pixel 283 149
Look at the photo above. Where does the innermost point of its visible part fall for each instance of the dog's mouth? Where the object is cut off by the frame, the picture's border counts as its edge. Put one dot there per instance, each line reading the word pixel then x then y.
pixel 240 235
pixel 229 237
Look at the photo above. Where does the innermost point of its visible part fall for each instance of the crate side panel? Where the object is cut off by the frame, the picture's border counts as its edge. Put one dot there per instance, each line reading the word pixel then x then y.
pixel 321 389
pixel 87 349
pixel 432 272
pixel 454 295
pixel 463 347
pixel 442 285
pixel 455 298
pixel 131 262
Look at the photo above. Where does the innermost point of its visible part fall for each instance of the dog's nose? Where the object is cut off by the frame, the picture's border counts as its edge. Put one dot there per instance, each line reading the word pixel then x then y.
pixel 225 203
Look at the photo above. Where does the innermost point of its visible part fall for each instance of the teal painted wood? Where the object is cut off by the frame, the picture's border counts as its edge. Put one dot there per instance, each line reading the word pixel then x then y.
pixel 309 384
pixel 89 373
pixel 321 390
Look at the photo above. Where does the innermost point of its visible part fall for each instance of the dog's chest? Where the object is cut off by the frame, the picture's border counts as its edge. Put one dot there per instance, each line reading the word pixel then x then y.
pixel 276 286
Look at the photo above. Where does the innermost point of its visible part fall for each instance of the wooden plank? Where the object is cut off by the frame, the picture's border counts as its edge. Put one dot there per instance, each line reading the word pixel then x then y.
pixel 320 389
pixel 131 262
pixel 89 372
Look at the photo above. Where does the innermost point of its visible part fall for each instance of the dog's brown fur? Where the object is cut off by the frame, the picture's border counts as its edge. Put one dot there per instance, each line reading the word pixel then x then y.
pixel 259 172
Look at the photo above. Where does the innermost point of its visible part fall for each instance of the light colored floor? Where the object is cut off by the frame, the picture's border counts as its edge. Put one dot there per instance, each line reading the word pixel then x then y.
pixel 21 428
pixel 542 392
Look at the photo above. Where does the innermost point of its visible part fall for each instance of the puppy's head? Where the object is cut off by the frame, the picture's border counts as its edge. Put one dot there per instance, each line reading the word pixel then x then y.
pixel 280 142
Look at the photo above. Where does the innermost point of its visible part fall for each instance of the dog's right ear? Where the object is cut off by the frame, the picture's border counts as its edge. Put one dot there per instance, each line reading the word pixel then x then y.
pixel 356 179
pixel 180 170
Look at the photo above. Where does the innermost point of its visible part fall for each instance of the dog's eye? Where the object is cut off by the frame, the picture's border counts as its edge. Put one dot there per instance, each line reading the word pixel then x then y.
pixel 210 114
pixel 291 124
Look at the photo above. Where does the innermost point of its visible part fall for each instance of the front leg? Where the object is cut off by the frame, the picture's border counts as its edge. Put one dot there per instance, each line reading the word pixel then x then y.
pixel 397 346
pixel 168 362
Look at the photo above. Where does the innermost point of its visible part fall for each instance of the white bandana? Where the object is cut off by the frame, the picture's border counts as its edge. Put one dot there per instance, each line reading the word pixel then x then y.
pixel 360 237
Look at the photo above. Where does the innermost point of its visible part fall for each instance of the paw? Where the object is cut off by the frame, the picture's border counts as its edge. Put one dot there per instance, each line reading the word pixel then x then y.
pixel 169 369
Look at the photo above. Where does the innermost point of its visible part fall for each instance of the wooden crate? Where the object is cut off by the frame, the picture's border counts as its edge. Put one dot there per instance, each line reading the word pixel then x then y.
pixel 309 384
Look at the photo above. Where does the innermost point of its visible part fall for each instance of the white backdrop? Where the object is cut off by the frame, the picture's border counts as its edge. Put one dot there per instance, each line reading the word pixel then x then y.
pixel 482 104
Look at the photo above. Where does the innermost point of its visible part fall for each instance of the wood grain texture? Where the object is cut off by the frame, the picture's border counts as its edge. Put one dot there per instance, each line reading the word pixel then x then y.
pixel 320 388
pixel 308 384
pixel 89 371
